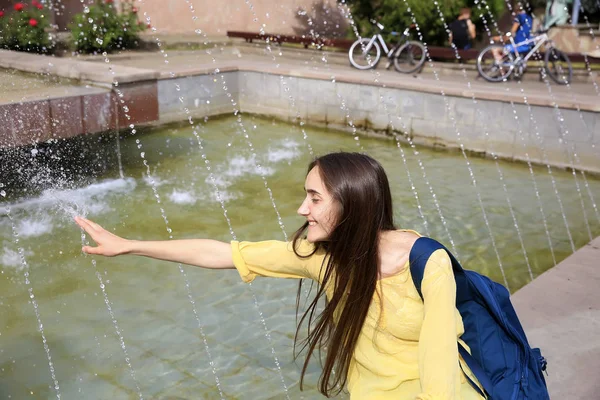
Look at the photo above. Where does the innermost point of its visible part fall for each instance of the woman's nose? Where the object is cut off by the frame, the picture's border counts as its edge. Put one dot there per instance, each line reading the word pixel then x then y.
pixel 303 210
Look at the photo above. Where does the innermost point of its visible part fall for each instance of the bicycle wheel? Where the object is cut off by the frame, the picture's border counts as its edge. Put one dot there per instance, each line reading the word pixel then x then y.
pixel 363 58
pixel 494 63
pixel 410 57
pixel 558 66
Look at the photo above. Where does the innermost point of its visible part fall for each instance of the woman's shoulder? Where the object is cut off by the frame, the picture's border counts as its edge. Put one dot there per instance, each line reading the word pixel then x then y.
pixel 408 232
pixel 395 247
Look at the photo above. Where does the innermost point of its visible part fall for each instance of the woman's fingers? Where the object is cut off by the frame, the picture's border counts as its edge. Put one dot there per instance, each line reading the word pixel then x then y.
pixel 95 225
pixel 88 225
pixel 90 229
pixel 84 224
pixel 107 244
pixel 90 250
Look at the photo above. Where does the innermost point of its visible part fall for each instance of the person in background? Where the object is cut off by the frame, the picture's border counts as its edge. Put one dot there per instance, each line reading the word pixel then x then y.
pixel 462 31
pixel 520 31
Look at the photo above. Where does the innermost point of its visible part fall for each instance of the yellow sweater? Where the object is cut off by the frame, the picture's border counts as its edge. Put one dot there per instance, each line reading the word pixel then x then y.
pixel 409 351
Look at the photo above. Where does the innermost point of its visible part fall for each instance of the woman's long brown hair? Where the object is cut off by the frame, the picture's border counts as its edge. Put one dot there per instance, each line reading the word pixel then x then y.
pixel 360 187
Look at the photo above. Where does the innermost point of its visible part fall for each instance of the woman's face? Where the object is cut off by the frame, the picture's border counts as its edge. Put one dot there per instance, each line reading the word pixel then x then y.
pixel 319 208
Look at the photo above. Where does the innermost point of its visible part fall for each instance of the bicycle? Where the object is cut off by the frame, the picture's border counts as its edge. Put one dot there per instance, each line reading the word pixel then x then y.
pixel 407 55
pixel 556 63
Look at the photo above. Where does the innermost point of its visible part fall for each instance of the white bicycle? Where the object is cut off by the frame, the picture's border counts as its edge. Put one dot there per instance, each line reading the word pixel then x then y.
pixel 496 62
pixel 407 55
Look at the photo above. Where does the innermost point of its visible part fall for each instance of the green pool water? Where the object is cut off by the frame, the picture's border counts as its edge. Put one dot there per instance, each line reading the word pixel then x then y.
pixel 149 299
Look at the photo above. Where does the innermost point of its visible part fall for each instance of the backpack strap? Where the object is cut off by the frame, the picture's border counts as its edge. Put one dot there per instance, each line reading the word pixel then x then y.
pixel 477 370
pixel 420 252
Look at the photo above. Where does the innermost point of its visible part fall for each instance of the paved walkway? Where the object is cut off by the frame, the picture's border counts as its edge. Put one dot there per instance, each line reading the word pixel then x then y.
pixel 230 54
pixel 560 311
pixel 337 64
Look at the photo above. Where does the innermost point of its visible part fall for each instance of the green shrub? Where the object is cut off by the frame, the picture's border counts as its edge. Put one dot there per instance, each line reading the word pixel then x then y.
pixel 25 28
pixel 394 15
pixel 102 28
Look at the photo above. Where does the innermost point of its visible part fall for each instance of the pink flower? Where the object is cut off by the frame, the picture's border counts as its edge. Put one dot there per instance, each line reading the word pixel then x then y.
pixel 1 13
pixel 19 7
pixel 33 22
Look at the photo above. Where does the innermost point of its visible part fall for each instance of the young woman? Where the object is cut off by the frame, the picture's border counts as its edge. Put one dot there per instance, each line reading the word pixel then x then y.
pixel 381 339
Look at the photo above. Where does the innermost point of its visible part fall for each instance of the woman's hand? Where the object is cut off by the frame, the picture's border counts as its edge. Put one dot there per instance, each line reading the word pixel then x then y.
pixel 108 244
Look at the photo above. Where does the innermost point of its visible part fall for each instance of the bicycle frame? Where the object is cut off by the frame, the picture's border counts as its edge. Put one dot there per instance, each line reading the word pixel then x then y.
pixel 541 39
pixel 379 38
pixel 387 51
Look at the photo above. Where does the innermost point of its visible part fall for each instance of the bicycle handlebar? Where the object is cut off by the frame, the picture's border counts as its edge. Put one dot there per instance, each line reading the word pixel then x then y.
pixel 395 33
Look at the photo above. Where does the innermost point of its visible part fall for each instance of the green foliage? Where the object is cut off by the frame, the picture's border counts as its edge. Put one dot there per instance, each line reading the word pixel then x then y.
pixel 102 28
pixel 396 15
pixel 25 28
pixel 591 11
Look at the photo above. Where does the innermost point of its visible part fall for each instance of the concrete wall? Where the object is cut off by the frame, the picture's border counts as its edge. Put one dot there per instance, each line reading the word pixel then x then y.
pixel 201 95
pixel 175 16
pixel 80 111
pixel 216 17
pixel 573 40
pixel 544 134
pixel 511 131
pixel 561 137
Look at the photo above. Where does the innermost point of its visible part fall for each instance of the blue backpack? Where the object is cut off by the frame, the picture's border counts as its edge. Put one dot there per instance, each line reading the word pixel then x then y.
pixel 501 358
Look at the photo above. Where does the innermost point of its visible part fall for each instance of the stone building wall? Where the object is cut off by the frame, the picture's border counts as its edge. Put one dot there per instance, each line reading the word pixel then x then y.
pixel 217 17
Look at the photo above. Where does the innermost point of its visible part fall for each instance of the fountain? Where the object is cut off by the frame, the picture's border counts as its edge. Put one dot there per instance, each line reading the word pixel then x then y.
pixel 75 326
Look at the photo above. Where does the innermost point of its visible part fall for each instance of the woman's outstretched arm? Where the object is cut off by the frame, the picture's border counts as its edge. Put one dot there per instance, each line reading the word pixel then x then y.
pixel 205 253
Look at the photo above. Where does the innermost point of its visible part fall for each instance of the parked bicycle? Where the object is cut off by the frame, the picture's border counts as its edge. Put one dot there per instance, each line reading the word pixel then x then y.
pixel 407 55
pixel 496 63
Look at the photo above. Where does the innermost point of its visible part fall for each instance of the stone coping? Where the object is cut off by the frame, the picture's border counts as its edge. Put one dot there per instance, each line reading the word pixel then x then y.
pixel 98 73
pixel 94 72
pixel 560 311
pixel 54 93
pixel 456 88
pixel 339 58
